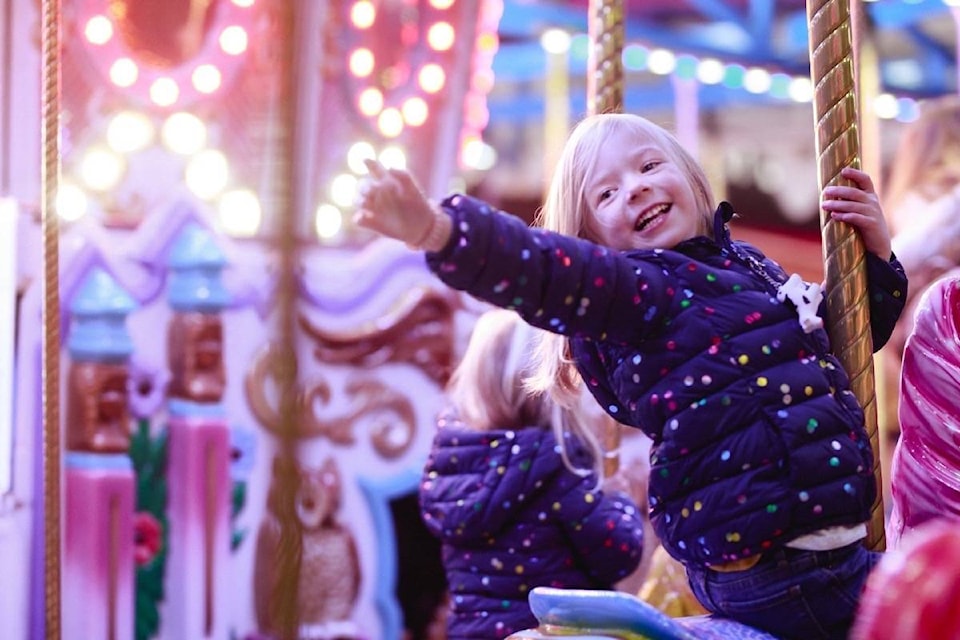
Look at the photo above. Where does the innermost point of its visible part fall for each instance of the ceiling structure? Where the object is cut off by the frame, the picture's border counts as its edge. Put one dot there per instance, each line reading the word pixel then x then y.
pixel 916 49
pixel 915 41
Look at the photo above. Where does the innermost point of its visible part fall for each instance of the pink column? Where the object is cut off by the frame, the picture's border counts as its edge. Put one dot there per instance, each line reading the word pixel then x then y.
pixel 99 483
pixel 98 571
pixel 199 515
pixel 198 454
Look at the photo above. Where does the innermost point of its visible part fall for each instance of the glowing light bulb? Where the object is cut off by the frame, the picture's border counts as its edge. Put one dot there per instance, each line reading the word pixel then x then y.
pixel 363 14
pixel 370 101
pixel 555 41
pixel 661 62
pixel 98 30
pixel 239 213
pixel 440 36
pixel 184 133
pixel 415 111
pixel 432 78
pixel 390 122
pixel 710 71
pixel 357 153
pixel 343 189
pixel 393 157
pixel 361 62
pixel 234 40
pixel 71 202
pixel 756 80
pixel 206 78
pixel 164 92
pixel 101 169
pixel 207 174
pixel 129 131
pixel 327 221
pixel 124 72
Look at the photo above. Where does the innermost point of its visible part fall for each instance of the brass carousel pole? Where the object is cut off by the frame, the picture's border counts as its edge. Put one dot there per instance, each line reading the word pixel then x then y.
pixel 605 95
pixel 833 72
pixel 49 177
pixel 605 64
pixel 285 207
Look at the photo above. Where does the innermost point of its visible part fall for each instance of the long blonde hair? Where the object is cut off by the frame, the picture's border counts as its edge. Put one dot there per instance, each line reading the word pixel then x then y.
pixel 565 211
pixel 489 387
pixel 927 161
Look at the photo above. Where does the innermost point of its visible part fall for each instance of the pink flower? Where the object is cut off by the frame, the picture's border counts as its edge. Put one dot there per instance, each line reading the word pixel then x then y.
pixel 146 537
pixel 146 387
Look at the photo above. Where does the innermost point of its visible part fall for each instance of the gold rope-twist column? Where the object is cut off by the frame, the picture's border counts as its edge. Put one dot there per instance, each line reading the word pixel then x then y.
pixel 837 141
pixel 605 68
pixel 49 177
pixel 285 598
pixel 605 95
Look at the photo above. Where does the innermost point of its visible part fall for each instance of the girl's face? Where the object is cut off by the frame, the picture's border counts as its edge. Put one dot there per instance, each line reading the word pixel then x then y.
pixel 639 198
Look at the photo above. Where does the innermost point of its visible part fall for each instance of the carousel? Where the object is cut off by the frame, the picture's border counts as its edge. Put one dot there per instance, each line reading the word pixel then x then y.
pixel 217 394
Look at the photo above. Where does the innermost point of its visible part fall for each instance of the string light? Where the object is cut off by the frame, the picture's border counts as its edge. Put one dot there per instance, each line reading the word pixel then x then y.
pixel 215 64
pixel 735 76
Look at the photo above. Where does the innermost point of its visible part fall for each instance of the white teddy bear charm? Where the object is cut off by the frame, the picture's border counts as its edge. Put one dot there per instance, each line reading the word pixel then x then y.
pixel 806 297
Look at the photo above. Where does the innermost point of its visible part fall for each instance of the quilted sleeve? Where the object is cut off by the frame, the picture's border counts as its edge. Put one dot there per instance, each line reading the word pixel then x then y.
pixel 558 283
pixel 606 533
pixel 887 289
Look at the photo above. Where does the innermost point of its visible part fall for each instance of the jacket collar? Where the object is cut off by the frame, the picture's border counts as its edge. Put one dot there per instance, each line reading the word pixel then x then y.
pixel 723 215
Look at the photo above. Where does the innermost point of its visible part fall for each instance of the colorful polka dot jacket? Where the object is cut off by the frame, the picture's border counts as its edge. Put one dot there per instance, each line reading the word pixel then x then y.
pixel 757 438
pixel 511 516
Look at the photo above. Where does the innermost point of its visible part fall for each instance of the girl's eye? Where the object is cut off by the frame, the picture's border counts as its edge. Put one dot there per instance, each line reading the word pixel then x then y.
pixel 650 166
pixel 606 194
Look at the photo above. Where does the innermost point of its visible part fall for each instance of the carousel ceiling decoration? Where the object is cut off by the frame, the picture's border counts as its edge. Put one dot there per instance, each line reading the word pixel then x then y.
pixel 759 46
pixel 197 54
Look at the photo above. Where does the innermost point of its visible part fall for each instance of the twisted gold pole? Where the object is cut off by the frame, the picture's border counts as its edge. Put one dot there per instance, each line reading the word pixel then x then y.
pixel 605 95
pixel 605 68
pixel 49 177
pixel 838 146
pixel 286 206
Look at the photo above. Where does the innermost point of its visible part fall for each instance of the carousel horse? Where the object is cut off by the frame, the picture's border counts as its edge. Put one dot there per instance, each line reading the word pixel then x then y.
pixel 581 614
pixel 925 473
pixel 914 591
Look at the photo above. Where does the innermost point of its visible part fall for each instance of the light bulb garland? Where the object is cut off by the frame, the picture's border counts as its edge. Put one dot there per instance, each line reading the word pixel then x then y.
pixel 214 66
pixel 732 75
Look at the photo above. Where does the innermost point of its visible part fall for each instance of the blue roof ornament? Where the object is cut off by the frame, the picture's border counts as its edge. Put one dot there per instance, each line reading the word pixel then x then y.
pixel 99 311
pixel 196 265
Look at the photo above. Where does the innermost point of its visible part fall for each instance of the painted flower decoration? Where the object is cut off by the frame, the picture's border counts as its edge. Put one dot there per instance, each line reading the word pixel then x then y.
pixel 243 447
pixel 147 387
pixel 147 537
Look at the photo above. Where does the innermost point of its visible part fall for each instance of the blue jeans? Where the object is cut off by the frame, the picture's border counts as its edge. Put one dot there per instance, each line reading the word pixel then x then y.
pixel 791 593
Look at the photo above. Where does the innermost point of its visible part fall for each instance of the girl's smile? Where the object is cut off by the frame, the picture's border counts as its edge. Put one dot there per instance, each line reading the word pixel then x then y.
pixel 639 198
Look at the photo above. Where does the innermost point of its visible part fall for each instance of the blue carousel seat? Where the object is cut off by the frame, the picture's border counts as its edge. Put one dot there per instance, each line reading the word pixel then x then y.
pixel 581 614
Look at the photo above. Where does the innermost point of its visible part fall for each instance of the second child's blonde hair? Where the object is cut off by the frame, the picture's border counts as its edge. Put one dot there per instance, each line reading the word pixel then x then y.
pixel 566 210
pixel 489 387
pixel 927 160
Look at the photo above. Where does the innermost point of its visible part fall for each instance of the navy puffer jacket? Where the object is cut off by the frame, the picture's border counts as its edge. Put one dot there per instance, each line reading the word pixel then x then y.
pixel 511 516
pixel 757 438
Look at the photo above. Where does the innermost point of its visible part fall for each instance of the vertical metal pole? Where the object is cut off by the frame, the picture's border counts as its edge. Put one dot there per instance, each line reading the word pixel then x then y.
pixel 835 105
pixel 288 201
pixel 605 95
pixel 50 177
pixel 605 64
